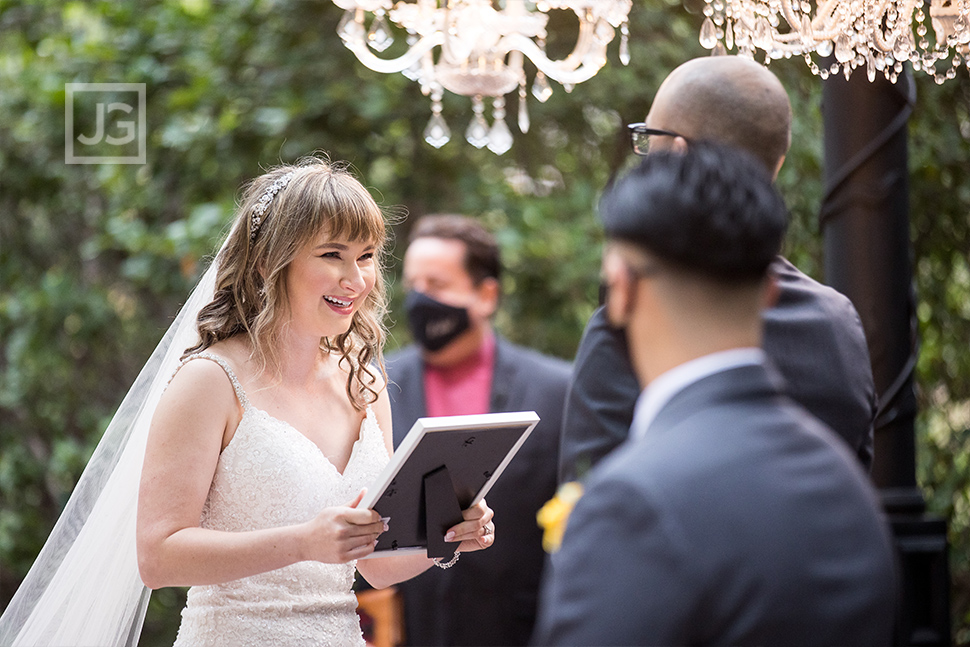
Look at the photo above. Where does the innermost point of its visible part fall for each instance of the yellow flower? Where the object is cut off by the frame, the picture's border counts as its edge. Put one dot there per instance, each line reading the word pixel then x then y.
pixel 553 515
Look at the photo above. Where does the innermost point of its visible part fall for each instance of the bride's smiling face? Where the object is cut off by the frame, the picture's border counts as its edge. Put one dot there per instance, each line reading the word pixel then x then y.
pixel 327 282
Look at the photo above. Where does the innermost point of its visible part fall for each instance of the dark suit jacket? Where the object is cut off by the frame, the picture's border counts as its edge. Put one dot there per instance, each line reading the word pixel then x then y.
pixel 813 336
pixel 738 519
pixel 490 596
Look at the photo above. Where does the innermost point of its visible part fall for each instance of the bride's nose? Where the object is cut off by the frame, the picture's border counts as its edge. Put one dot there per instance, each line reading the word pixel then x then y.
pixel 353 279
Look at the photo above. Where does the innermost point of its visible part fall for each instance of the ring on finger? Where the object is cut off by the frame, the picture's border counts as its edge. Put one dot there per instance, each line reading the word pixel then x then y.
pixel 488 529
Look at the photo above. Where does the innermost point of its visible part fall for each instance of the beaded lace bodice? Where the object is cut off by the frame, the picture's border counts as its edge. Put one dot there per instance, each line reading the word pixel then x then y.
pixel 271 475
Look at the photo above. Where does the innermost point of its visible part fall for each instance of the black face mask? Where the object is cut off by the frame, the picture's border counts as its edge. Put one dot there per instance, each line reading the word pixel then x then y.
pixel 434 324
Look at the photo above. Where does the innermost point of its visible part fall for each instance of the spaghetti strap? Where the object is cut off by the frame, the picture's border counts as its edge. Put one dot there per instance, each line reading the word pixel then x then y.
pixel 225 367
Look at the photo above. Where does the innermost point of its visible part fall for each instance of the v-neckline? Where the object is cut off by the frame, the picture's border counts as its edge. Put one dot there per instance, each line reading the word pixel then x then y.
pixel 290 427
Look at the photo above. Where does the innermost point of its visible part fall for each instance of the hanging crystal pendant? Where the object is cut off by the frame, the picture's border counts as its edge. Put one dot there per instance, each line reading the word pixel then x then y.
pixel 541 89
pixel 708 37
pixel 625 43
pixel 523 108
pixel 729 36
pixel 437 132
pixel 477 132
pixel 426 75
pixel 379 37
pixel 762 34
pixel 351 26
pixel 808 33
pixel 414 72
pixel 499 137
pixel 843 49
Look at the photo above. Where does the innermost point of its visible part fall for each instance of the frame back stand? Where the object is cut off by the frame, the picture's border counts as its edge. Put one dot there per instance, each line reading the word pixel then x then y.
pixel 441 511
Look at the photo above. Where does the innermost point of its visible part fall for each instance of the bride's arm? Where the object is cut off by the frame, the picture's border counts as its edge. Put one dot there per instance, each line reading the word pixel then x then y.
pixel 385 571
pixel 184 444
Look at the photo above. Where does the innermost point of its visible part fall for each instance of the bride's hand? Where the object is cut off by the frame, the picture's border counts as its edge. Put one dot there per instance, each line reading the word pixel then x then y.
pixel 342 533
pixel 476 532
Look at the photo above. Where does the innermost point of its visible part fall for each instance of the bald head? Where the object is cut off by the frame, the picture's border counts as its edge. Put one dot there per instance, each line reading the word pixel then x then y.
pixel 730 100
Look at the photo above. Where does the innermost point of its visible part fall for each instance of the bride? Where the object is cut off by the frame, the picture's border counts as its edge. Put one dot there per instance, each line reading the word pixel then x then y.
pixel 252 446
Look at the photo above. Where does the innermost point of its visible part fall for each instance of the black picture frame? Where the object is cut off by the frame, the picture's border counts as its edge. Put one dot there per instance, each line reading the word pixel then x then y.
pixel 444 465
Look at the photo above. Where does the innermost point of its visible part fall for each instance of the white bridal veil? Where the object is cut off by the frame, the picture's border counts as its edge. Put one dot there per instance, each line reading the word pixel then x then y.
pixel 84 587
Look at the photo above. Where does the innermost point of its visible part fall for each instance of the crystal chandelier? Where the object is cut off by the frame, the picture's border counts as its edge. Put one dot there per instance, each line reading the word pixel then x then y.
pixel 878 34
pixel 481 52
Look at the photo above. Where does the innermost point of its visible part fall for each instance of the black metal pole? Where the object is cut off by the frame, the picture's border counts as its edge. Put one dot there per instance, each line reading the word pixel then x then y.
pixel 868 257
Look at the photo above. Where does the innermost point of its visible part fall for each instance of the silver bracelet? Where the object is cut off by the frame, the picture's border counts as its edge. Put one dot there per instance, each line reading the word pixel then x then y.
pixel 448 564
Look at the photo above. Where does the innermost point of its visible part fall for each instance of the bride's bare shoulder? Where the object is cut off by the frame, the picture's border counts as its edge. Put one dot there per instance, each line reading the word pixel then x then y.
pixel 206 371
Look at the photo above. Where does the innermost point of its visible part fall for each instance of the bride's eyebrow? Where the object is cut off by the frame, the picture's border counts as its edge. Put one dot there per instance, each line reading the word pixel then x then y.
pixel 330 245
pixel 340 247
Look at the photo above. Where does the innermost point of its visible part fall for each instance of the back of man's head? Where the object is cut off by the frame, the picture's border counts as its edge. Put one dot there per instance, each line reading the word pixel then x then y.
pixel 727 99
pixel 711 211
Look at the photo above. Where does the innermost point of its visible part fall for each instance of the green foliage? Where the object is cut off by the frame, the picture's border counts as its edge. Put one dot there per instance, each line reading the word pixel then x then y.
pixel 95 259
pixel 940 214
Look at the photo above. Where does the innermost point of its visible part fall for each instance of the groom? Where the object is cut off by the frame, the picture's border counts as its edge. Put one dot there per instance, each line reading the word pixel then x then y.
pixel 731 515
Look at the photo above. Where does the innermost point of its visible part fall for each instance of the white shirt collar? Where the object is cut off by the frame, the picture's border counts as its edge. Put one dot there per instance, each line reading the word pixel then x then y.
pixel 653 398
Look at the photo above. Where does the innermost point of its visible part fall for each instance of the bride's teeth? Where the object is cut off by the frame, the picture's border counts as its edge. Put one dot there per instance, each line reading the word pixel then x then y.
pixel 338 302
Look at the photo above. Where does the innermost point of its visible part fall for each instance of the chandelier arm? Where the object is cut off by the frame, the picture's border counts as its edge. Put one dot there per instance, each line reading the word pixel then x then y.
pixel 792 42
pixel 564 71
pixel 823 18
pixel 515 63
pixel 793 23
pixel 575 68
pixel 366 5
pixel 882 44
pixel 403 62
pixel 877 35
pixel 575 59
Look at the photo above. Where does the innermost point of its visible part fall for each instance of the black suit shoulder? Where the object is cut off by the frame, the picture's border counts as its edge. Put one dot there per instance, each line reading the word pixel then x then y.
pixel 600 400
pixel 814 336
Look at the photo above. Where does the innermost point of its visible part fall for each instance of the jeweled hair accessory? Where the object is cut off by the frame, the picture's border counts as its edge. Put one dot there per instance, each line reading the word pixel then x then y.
pixel 264 201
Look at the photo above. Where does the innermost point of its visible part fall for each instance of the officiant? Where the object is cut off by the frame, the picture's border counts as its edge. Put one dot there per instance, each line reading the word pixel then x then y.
pixel 459 365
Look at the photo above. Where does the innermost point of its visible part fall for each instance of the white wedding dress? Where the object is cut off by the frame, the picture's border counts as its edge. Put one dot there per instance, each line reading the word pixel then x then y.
pixel 272 475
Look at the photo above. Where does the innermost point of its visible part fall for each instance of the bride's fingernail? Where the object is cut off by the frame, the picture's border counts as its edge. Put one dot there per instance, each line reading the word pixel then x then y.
pixel 450 536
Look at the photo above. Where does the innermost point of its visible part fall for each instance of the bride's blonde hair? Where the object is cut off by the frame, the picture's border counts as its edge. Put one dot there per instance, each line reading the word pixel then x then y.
pixel 250 291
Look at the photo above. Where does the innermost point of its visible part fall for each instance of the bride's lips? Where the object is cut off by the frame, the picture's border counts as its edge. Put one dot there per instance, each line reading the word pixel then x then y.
pixel 339 305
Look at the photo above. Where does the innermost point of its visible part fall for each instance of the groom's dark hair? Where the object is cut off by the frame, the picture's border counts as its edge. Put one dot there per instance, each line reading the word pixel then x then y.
pixel 712 211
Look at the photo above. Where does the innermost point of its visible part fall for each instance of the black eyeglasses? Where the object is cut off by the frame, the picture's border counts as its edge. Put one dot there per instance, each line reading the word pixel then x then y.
pixel 640 136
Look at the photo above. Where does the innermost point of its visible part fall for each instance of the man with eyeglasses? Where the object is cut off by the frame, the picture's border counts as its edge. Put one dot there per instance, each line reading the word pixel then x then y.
pixel 813 334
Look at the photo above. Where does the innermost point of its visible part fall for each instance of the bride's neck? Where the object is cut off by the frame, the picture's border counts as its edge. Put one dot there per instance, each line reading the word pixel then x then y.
pixel 302 362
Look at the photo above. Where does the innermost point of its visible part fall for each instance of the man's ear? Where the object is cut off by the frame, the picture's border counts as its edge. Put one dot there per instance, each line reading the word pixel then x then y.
pixel 770 291
pixel 489 291
pixel 620 294
pixel 679 145
pixel 781 161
